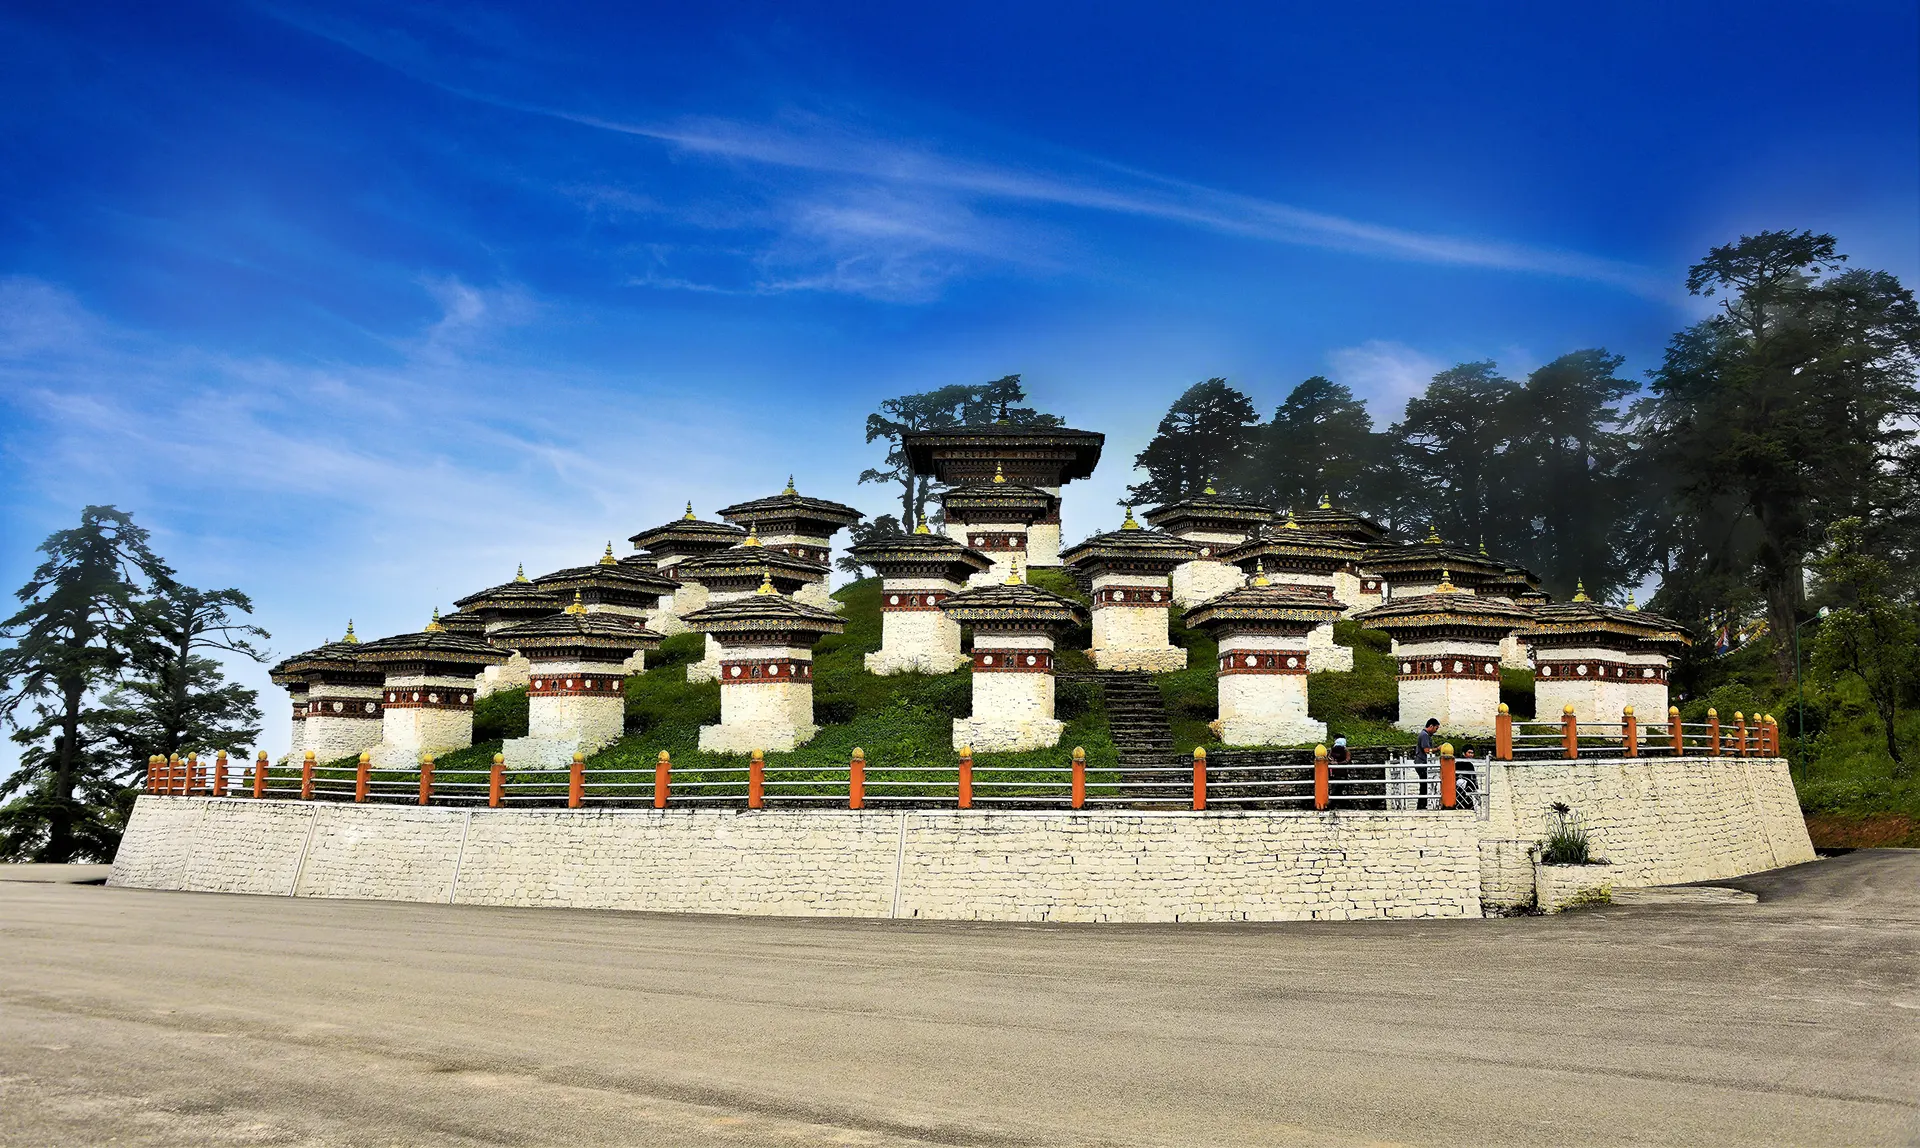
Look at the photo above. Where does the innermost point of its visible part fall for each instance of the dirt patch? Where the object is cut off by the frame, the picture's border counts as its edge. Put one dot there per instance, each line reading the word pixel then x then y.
pixel 1877 830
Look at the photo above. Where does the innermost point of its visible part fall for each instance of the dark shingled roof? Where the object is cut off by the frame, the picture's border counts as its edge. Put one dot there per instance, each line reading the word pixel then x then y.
pixel 464 622
pixel 1209 508
pixel 332 657
pixel 921 550
pixel 736 560
pixel 697 531
pixel 1290 540
pixel 771 612
pixel 1330 519
pixel 1254 604
pixel 1392 561
pixel 1021 603
pixel 432 646
pixel 514 595
pixel 1454 609
pixel 1020 501
pixel 1135 545
pixel 568 630
pixel 607 575
pixel 1610 624
pixel 788 507
pixel 1079 450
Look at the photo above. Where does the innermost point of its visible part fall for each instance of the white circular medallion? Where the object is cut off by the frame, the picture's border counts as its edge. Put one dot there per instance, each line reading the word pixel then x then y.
pixel 736 671
pixel 1581 670
pixel 1032 659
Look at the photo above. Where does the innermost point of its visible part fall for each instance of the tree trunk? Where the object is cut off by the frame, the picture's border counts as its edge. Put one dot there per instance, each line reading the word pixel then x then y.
pixel 60 816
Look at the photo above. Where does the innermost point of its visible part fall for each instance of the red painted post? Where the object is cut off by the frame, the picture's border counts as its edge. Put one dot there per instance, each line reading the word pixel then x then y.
pixel 1199 777
pixel 220 774
pixel 426 778
pixel 662 777
pixel 757 781
pixel 496 781
pixel 260 774
pixel 1739 734
pixel 577 781
pixel 1676 731
pixel 1570 734
pixel 154 761
pixel 1630 732
pixel 965 793
pixel 1322 779
pixel 306 777
pixel 194 774
pixel 1079 777
pixel 1503 734
pixel 1449 779
pixel 360 776
pixel 857 780
pixel 1713 731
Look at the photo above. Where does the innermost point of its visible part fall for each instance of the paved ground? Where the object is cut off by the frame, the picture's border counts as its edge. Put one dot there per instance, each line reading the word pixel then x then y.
pixel 168 1018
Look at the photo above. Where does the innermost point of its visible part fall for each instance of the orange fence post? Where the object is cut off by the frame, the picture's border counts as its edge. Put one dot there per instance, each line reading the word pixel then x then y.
pixel 360 776
pixel 1630 732
pixel 153 771
pixel 1713 731
pixel 1773 737
pixel 964 795
pixel 1322 779
pixel 1570 734
pixel 260 774
pixel 1449 779
pixel 176 775
pixel 857 779
pixel 426 778
pixel 577 781
pixel 1503 734
pixel 220 774
pixel 757 780
pixel 1739 734
pixel 306 777
pixel 496 781
pixel 662 776
pixel 193 775
pixel 1079 777
pixel 1199 777
pixel 1676 731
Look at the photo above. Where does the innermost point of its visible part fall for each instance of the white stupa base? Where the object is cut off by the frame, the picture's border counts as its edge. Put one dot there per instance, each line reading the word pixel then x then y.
pixel 987 735
pixel 1272 731
pixel 745 737
pixel 1324 654
pixel 888 662
pixel 1161 660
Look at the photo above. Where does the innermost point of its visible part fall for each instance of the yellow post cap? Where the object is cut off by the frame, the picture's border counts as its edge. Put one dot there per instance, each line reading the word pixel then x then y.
pixel 1200 753
pixel 1567 710
pixel 1319 751
pixel 1446 749
pixel 1503 708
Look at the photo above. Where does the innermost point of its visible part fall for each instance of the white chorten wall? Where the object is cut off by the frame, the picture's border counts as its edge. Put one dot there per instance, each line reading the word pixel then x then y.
pixel 1454 680
pixel 637 664
pixel 1599 683
pixel 819 595
pixel 423 714
pixel 1130 624
pixel 708 667
pixel 1012 695
pixel 1360 591
pixel 1263 691
pixel 915 636
pixel 1513 653
pixel 1005 543
pixel 572 707
pixel 1323 652
pixel 298 731
pixel 1043 538
pixel 1203 580
pixel 766 700
pixel 508 675
pixel 342 721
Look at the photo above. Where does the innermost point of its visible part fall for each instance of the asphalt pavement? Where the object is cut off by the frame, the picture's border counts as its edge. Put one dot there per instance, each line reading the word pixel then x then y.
pixel 135 1017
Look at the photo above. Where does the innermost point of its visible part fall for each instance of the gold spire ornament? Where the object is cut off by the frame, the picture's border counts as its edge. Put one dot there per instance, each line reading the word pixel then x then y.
pixel 608 559
pixel 433 625
pixel 352 638
pixel 1325 504
pixel 688 516
pixel 921 526
pixel 1289 524
pixel 578 607
pixel 789 489
pixel 1483 546
pixel 1209 489
pixel 1260 573
pixel 998 474
pixel 520 572
pixel 766 582
pixel 1446 585
pixel 1013 572
pixel 753 538
pixel 1129 524
pixel 1433 534
pixel 1580 590
pixel 1631 604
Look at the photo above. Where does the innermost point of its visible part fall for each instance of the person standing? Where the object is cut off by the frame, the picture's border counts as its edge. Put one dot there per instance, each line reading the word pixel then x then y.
pixel 1424 748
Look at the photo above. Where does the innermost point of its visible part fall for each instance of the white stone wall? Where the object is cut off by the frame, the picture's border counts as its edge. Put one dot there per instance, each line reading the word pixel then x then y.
pixel 409 731
pixel 333 729
pixel 775 716
pixel 1601 699
pixel 1265 709
pixel 508 675
pixel 1324 655
pixel 933 864
pixel 1011 710
pixel 1463 705
pixel 916 641
pixel 1513 653
pixel 1203 580
pixel 708 667
pixel 561 725
pixel 1003 560
pixel 1658 821
pixel 1134 637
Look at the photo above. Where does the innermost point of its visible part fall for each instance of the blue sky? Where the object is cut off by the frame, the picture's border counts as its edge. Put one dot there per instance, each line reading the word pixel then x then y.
pixel 357 308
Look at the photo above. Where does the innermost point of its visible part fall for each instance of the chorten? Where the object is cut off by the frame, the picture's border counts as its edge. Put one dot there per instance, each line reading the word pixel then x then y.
pixel 610 586
pixel 498 607
pixel 736 573
pixel 342 713
pixel 1214 525
pixel 1327 518
pixel 1519 586
pixel 917 572
pixel 1325 564
pixel 1014 626
pixel 1600 659
pixel 428 693
pixel 1262 630
pixel 576 698
pixel 1448 648
pixel 765 669
pixel 1415 569
pixel 803 527
pixel 1130 569
pixel 664 548
pixel 1046 458
pixel 997 518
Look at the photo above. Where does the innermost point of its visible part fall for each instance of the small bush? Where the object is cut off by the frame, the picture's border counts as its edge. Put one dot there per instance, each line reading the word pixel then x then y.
pixel 500 715
pixel 1566 842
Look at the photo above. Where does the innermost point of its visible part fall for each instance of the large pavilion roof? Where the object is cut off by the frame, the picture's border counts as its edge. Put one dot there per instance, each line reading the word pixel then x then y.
pixel 688 535
pixel 1209 508
pixel 1328 518
pixel 1447 609
pixel 957 454
pixel 1131 545
pixel 1604 625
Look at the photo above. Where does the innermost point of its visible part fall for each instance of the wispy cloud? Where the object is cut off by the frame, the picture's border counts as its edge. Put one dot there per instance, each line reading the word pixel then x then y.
pixel 1385 374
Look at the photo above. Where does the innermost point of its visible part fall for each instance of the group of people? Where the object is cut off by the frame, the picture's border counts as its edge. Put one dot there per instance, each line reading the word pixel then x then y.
pixel 1426 751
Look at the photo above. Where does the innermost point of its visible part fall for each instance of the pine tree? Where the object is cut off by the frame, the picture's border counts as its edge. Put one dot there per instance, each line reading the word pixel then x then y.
pixel 176 699
pixel 1207 436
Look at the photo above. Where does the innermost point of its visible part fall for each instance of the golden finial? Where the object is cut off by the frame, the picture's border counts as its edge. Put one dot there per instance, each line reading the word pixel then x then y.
pixel 1580 590
pixel 998 474
pixel 1129 524
pixel 688 516
pixel 608 559
pixel 753 538
pixel 1325 503
pixel 578 607
pixel 1446 585
pixel 1290 524
pixel 1631 604
pixel 351 638
pixel 789 489
pixel 1433 534
pixel 766 582
pixel 1260 573
pixel 1209 488
pixel 1483 546
pixel 433 625
pixel 921 526
pixel 1013 572
pixel 520 572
